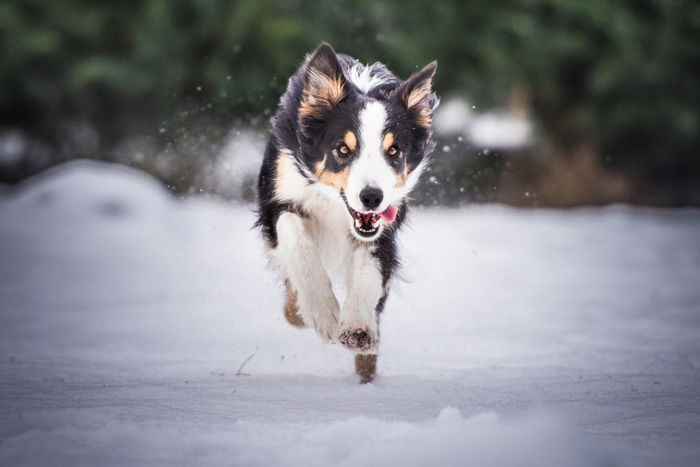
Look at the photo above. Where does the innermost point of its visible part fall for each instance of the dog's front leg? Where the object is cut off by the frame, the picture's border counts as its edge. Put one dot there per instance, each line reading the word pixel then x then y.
pixel 358 318
pixel 296 257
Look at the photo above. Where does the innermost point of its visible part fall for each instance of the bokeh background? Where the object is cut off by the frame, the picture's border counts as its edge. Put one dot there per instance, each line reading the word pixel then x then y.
pixel 544 102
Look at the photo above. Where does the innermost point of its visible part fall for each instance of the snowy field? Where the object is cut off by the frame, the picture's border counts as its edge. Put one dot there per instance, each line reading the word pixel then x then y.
pixel 516 338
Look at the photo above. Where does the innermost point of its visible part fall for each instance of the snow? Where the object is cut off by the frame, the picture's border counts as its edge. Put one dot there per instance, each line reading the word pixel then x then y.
pixel 453 116
pixel 500 130
pixel 238 163
pixel 515 338
pixel 497 130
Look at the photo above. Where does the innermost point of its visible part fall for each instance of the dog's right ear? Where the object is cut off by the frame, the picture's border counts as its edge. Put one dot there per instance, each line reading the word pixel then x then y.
pixel 324 82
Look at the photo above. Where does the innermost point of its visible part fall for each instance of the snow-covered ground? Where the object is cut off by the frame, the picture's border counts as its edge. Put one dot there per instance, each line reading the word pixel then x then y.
pixel 517 338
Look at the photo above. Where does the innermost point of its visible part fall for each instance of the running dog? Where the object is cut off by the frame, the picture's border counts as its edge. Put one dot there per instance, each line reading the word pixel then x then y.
pixel 347 145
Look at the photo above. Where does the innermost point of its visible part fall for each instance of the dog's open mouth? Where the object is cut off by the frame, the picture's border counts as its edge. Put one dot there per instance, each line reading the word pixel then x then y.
pixel 367 224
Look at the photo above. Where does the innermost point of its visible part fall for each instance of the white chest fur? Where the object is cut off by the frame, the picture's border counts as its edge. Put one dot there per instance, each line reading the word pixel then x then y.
pixel 328 226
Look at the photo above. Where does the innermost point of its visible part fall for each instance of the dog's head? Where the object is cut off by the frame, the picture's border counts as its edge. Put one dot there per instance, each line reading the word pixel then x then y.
pixel 365 135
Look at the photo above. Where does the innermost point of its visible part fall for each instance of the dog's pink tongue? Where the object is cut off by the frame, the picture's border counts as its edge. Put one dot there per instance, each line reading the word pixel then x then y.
pixel 389 214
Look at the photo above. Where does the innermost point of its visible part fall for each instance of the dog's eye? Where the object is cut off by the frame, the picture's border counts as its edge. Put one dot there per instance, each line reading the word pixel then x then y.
pixel 393 150
pixel 343 150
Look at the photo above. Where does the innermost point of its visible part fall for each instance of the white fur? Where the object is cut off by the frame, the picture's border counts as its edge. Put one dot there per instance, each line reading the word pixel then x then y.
pixel 366 77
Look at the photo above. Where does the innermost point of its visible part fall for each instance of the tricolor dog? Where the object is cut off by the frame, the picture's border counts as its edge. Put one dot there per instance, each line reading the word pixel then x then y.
pixel 347 145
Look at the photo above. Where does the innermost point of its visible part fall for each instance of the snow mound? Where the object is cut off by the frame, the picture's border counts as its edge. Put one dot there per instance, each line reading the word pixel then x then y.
pixel 86 185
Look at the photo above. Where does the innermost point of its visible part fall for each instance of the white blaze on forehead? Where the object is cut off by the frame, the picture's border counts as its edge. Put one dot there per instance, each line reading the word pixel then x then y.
pixel 371 168
pixel 372 121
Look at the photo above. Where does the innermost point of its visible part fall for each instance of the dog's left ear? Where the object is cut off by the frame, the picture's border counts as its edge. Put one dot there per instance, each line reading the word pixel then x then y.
pixel 417 96
pixel 324 82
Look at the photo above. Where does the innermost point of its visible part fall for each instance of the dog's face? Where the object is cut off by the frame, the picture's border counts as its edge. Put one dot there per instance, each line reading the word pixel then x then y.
pixel 365 139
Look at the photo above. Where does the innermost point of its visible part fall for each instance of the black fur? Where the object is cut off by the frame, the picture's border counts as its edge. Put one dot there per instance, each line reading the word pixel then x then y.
pixel 387 251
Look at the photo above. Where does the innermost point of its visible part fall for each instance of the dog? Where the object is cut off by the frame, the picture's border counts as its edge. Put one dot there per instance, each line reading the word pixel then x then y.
pixel 347 145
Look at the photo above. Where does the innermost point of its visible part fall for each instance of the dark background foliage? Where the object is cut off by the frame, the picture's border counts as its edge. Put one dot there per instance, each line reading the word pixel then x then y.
pixel 611 86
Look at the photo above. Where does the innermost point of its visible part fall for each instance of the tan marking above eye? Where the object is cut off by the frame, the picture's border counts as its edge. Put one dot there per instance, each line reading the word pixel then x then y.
pixel 388 141
pixel 350 140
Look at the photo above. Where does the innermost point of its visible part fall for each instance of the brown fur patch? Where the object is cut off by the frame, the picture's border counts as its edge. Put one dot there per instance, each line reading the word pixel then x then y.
pixel 417 95
pixel 281 172
pixel 320 93
pixel 291 311
pixel 366 367
pixel 337 180
pixel 425 118
pixel 350 140
pixel 401 178
pixel 388 141
pixel 419 98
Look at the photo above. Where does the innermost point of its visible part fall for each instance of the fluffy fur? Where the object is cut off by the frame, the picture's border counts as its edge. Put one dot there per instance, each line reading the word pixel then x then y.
pixel 347 145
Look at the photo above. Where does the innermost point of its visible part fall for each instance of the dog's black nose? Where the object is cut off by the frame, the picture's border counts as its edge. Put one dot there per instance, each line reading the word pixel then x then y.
pixel 371 198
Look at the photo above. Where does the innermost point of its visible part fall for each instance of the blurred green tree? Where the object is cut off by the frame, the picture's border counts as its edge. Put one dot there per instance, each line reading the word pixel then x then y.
pixel 617 80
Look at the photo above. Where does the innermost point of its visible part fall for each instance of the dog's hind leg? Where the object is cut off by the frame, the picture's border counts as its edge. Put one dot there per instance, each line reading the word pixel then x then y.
pixel 291 310
pixel 366 364
pixel 366 367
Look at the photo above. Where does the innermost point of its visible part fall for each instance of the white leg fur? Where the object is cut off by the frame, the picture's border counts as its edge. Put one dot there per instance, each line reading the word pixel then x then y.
pixel 364 291
pixel 297 258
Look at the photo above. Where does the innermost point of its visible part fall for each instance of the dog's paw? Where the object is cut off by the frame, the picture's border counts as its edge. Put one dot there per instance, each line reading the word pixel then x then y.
pixel 358 339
